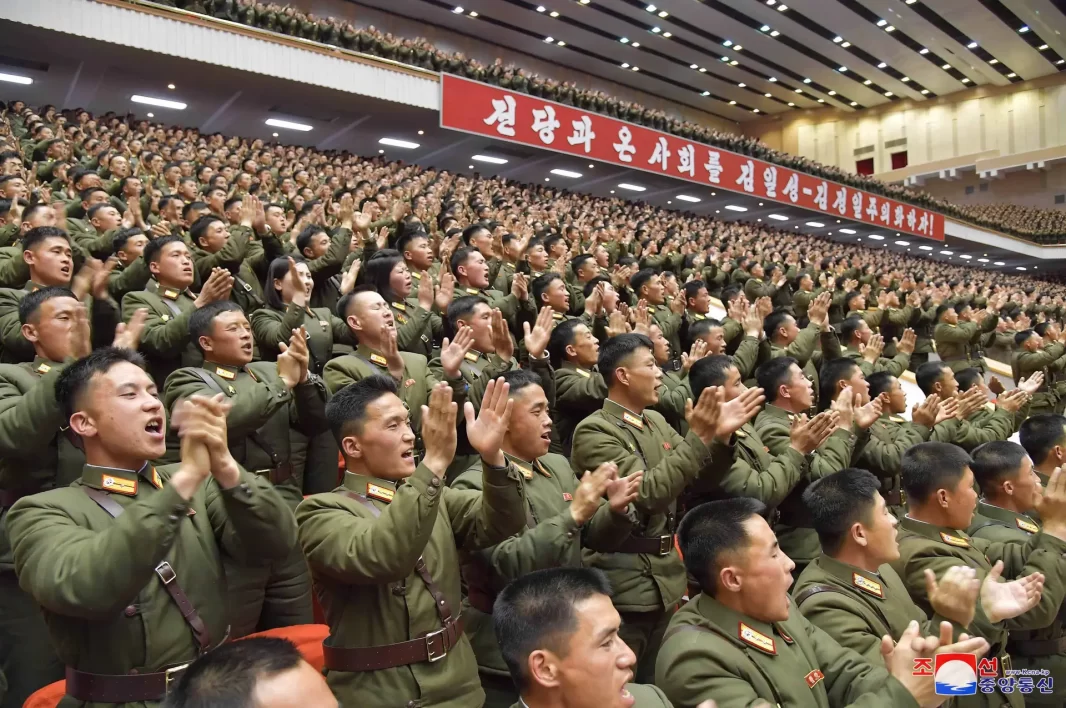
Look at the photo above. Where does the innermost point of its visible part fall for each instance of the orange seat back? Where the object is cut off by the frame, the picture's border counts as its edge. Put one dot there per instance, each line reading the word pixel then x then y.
pixel 308 639
pixel 47 697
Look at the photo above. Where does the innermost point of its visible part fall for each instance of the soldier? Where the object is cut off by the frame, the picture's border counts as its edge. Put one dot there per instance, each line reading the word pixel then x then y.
pixel 579 388
pixel 852 593
pixel 1044 439
pixel 740 640
pixel 1036 355
pixel 166 341
pixel 865 347
pixel 471 278
pixel 131 273
pixel 560 635
pixel 387 273
pixel 563 515
pixel 173 523
pixel 937 377
pixel 953 335
pixel 787 339
pixel 940 503
pixel 385 555
pixel 636 439
pixel 968 379
pixel 647 285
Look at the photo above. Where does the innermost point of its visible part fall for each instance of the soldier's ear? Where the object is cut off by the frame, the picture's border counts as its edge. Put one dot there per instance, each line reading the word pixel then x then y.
pixel 543 668
pixel 29 331
pixel 728 579
pixel 858 532
pixel 82 424
pixel 351 448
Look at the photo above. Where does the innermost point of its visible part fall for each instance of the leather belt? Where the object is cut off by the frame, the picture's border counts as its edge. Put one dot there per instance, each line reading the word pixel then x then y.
pixel 430 648
pixel 480 601
pixel 276 475
pixel 892 492
pixel 660 546
pixel 122 688
pixel 1037 647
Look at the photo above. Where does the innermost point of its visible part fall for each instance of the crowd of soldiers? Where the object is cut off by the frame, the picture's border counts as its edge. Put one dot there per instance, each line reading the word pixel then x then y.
pixel 531 400
pixel 1035 224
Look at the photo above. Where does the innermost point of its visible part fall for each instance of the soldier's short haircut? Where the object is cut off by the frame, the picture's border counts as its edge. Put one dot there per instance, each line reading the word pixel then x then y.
pixel 96 209
pixel 36 236
pixel 202 319
pixel 153 250
pixel 85 194
pixel 462 308
pixel 775 321
pixel 1021 337
pixel 550 241
pixel 616 351
pixel 692 289
pixel 31 211
pixel 540 285
pixel 536 611
pixel 995 462
pixel 200 226
pixel 968 378
pixel 711 530
pixel 928 374
pixel 404 242
pixel 930 466
pixel 849 327
pixel 30 304
pixel 226 677
pixel 520 379
pixel 771 375
pixel 730 292
pixel 711 371
pixel 346 411
pixel 306 234
pixel 562 337
pixel 578 261
pixel 833 371
pixel 74 379
pixel 231 201
pixel 852 295
pixel 471 231
pixel 641 278
pixel 459 258
pixel 880 382
pixel 838 501
pixel 189 208
pixel 941 309
pixel 1039 433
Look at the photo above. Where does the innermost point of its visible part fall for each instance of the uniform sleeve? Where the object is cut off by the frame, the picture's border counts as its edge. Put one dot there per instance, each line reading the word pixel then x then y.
pixel 886 454
pixel 851 680
pixel 746 357
pixel 251 409
pixel 834 454
pixel 836 615
pixel 162 338
pixel 251 520
pixel 12 342
pixel 595 443
pixel 802 347
pixel 29 421
pixel 1042 553
pixel 480 520
pixel 411 331
pixel 770 487
pixel 895 366
pixel 230 256
pixel 14 273
pixel 690 672
pixel 133 277
pixel 329 263
pixel 269 331
pixel 574 392
pixel 357 549
pixel 310 399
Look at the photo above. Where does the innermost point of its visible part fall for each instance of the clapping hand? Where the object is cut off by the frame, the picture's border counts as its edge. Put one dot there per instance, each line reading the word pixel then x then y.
pixel 438 429
pixel 486 432
pixel 501 337
pixel 536 339
pixel 1007 600
pixel 128 334
pixel 453 352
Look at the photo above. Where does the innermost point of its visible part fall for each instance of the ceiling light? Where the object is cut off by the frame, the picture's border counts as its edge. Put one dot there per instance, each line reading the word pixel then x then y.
pixel 702 70
pixel 693 66
pixel 473 14
pixel 489 159
pixel 925 91
pixel 846 45
pixel 838 39
pixel 1061 61
pixel 947 253
pixel 905 79
pixel 993 61
pixel 549 40
pixel 1023 29
pixel 842 69
pixel 635 44
pixel 848 231
pixel 458 10
pixel 541 8
pixel 741 85
pixel 25 80
pixel 421 132
pixel 815 224
pixel 853 103
pixel 882 65
pixel 667 35
pixel 903 243
pixel 777 217
pixel 624 40
pixel 946 67
pixel 965 80
pixel 625 65
pixel 382 152
pixel 631 187
pixel 926 248
pixel 663 13
pixel 706 93
pixel 806 81
pixel 152 115
pixel 799 90
pixel 732 103
pixel 656 30
pixel 972 45
pixel 867 82
pixel 754 110
pixel 910 2
pixel 1042 47
pixel 792 104
pixel 275 135
pixel 877 237
pixel 890 28
pixel 734 207
pixel 406 144
pixel 772 79
pixel 832 93
pixel 982 260
pixel 635 68
pixel 767 95
pixel 651 8
pixel 966 256
pixel 782 8
pixel 821 100
pixel 999 263
pixel 161 102
pixel 733 63
pixel 584 2
pixel 770 2
pixel 725 59
pixel 1011 75
pixel 561 43
pixel 888 93
pixel 774 33
pixel 764 28
pixel 737 48
pixel 687 198
pixel 882 23
pixel 727 43
pixel 554 14
pixel 566 173
pixel 923 50
pixel 1019 267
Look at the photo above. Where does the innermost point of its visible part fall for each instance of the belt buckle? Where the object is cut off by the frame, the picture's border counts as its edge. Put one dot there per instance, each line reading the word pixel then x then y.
pixel 666 545
pixel 430 655
pixel 166 573
pixel 173 674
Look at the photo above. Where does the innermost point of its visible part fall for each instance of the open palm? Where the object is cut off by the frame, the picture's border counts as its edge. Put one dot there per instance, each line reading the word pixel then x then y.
pixel 1006 600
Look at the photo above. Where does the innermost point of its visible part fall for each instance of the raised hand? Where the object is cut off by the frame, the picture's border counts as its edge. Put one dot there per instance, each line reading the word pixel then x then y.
pixel 486 432
pixel 641 318
pixel 438 429
pixel 594 302
pixel 293 360
pixel 351 276
pixel 955 596
pixel 299 293
pixel 391 352
pixel 520 286
pixel 616 323
pixel 698 351
pixel 906 345
pixel 501 336
pixel 806 436
pixel 677 305
pixel 1013 400
pixel 128 334
pixel 623 491
pixel 426 292
pixel 764 307
pixel 844 406
pixel 735 413
pixel 818 309
pixel 453 352
pixel 536 339
pixel 1032 384
pixel 946 410
pixel 1002 601
pixel 872 351
pixel 925 413
pixel 446 291
pixel 80 333
pixel 590 490
pixel 866 415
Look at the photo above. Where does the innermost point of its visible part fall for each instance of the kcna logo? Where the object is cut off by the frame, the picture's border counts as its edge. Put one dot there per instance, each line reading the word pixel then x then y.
pixel 954 674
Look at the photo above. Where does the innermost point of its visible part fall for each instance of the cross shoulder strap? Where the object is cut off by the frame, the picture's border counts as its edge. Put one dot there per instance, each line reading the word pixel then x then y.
pixel 813 590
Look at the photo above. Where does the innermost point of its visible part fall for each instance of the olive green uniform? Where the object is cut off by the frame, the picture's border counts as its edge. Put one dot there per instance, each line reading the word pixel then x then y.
pixel 165 340
pixel 14 348
pixel 93 575
pixel 713 652
pixel 953 343
pixel 891 436
pixel 647 584
pixel 646 695
pixel 363 554
pixel 273 327
pixel 551 539
pixel 895 366
pixel 670 324
pixel 1037 649
pixel 923 545
pixel 998 425
pixel 1049 360
pixel 804 350
pixel 414 327
pixel 579 392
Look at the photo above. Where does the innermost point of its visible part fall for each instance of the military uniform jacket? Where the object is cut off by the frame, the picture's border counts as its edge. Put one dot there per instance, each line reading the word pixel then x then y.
pixel 14 348
pixel 414 331
pixel 93 575
pixel 998 425
pixel 272 327
pixel 643 582
pixel 923 545
pixel 953 343
pixel 364 570
pixel 804 350
pixel 551 539
pixel 34 454
pixel 1050 360
pixel 673 393
pixel 125 279
pixel 737 660
pixel 860 607
pixel 670 324
pixel 895 366
pixel 165 341
pixel 579 392
pixel 891 436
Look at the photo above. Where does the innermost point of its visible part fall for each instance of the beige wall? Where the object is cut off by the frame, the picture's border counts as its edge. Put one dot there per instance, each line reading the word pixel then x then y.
pixel 1036 188
pixel 1010 119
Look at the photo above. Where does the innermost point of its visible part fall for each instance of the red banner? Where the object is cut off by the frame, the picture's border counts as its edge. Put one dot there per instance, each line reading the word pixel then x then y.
pixel 474 107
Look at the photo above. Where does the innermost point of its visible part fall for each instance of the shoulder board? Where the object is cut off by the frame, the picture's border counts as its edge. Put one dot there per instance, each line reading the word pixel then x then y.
pixel 633 420
pixel 756 639
pixel 871 587
pixel 382 494
pixel 379 360
pixel 400 306
pixel 1025 525
pixel 897 419
pixel 225 373
pixel 584 373
pixel 954 540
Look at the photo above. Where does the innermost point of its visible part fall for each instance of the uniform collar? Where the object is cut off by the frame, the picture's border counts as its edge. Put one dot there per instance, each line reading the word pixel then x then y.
pixel 634 420
pixel 571 365
pixel 42 366
pixel 119 481
pixel 372 355
pixel 891 418
pixel 742 629
pixel 778 412
pixel 32 287
pixel 229 373
pixel 526 468
pixel 942 534
pixel 381 490
pixel 1021 521
pixel 154 286
pixel 853 576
